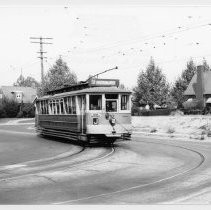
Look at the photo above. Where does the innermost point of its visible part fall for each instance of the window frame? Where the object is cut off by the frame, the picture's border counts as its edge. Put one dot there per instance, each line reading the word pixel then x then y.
pixel 126 104
pixel 117 104
pixel 89 102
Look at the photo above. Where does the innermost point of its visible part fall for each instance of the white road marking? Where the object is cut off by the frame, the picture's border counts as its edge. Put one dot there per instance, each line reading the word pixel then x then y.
pixel 23 164
pixel 12 166
pixel 16 132
pixel 17 122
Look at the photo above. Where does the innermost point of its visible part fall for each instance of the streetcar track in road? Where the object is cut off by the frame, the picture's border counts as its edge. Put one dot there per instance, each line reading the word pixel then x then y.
pixel 65 168
pixel 93 160
pixel 43 161
pixel 8 171
pixel 202 159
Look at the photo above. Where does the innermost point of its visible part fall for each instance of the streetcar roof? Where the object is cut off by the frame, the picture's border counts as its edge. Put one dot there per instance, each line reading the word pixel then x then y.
pixel 87 90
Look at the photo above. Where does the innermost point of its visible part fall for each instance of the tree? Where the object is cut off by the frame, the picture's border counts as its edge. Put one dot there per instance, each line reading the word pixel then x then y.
pixel 205 64
pixel 152 87
pixel 28 82
pixel 58 76
pixel 20 81
pixel 182 83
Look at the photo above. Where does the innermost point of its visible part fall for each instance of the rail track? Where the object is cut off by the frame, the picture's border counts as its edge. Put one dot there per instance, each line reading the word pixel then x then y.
pixel 62 162
pixel 85 158
pixel 180 173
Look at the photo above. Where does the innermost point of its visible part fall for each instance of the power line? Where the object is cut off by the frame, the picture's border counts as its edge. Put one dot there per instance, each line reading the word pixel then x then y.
pixel 41 52
pixel 178 30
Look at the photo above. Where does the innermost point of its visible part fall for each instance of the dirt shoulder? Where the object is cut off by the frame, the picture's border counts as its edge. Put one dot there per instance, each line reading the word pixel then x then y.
pixel 191 127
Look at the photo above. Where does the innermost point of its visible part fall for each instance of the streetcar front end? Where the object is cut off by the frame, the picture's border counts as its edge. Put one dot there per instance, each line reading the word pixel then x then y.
pixel 109 115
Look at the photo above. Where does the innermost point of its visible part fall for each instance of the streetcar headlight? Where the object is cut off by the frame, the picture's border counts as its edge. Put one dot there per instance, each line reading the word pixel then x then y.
pixel 95 121
pixel 112 121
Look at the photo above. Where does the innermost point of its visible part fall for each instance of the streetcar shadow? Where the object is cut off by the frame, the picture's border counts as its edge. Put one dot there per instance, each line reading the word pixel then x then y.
pixel 78 143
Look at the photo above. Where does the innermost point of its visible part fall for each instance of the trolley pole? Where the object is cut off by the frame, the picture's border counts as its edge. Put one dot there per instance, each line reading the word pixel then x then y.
pixel 96 75
pixel 41 52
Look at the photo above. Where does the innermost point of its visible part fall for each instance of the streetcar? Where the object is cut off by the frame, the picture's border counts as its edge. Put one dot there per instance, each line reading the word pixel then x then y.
pixel 93 111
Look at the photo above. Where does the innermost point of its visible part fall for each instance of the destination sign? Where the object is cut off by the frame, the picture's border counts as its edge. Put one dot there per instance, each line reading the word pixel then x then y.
pixel 105 82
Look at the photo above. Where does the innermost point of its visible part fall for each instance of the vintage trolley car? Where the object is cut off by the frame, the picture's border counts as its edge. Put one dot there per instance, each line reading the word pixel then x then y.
pixel 96 110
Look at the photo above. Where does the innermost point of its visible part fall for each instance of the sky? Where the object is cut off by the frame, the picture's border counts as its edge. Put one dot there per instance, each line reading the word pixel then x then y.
pixel 95 35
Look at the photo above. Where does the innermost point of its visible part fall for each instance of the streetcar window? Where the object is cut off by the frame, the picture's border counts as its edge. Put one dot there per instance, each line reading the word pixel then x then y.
pixel 95 102
pixel 73 105
pixel 45 107
pixel 57 107
pixel 38 107
pixel 66 105
pixel 46 104
pixel 41 103
pixel 54 107
pixel 124 102
pixel 69 105
pixel 111 106
pixel 51 107
pixel 62 106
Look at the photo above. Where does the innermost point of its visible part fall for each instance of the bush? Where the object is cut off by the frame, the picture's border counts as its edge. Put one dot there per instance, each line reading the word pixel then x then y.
pixel 2 111
pixel 171 130
pixel 28 110
pixel 153 130
pixel 10 107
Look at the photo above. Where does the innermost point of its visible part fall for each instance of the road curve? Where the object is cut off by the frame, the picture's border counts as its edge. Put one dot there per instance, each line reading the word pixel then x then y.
pixel 141 171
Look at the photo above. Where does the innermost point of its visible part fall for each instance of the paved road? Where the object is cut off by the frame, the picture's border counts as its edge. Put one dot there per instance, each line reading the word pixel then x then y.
pixel 34 170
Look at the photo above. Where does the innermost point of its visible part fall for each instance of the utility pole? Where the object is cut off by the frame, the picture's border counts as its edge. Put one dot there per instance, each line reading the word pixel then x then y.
pixel 41 52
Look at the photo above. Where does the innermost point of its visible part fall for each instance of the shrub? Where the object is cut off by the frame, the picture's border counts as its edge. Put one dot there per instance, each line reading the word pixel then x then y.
pixel 11 107
pixel 153 130
pixel 170 130
pixel 2 111
pixel 28 110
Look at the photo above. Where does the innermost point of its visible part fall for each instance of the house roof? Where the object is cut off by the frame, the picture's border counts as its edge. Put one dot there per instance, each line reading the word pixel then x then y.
pixel 207 84
pixel 29 93
pixel 90 90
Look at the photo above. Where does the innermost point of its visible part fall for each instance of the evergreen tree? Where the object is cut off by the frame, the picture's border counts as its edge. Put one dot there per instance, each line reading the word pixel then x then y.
pixel 58 76
pixel 20 81
pixel 152 87
pixel 182 83
pixel 205 64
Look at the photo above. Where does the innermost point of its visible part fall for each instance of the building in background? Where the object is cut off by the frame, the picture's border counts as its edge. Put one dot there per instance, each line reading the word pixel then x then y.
pixel 20 94
pixel 200 87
